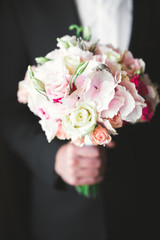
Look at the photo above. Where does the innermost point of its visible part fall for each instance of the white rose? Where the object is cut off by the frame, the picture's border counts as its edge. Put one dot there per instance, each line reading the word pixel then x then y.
pixel 81 121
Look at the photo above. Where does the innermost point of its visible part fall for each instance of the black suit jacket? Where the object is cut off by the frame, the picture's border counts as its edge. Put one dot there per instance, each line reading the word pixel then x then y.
pixel 128 200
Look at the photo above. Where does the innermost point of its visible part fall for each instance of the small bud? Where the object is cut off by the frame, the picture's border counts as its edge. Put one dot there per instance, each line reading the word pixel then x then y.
pixel 31 73
pixel 81 44
pixel 102 66
pixel 86 33
pixel 138 72
pixel 39 85
pixel 93 46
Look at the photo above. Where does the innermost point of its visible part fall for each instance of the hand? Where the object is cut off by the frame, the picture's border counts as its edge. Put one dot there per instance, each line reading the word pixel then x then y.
pixel 81 165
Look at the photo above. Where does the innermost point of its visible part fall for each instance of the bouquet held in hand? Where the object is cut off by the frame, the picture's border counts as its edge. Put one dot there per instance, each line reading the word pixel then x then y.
pixel 83 91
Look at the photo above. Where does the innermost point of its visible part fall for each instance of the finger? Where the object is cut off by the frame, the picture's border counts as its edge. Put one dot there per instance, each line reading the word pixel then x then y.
pixel 88 181
pixel 88 162
pixel 89 173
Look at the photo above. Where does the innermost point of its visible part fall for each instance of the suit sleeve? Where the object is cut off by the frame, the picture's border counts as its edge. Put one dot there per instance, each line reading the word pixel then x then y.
pixel 18 126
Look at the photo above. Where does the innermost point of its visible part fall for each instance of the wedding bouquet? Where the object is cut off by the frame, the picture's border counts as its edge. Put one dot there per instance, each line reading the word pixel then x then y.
pixel 84 91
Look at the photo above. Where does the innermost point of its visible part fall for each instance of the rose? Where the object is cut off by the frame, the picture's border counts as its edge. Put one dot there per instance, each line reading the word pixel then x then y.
pixel 131 65
pixel 81 121
pixel 140 86
pixel 113 55
pixel 147 113
pixel 100 136
pixel 152 95
pixel 58 89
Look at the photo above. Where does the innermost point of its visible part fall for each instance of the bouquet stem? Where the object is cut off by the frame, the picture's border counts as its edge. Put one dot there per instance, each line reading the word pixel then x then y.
pixel 88 190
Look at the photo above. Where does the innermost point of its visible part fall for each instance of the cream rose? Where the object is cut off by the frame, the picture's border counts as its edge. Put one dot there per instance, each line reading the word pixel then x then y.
pixel 81 121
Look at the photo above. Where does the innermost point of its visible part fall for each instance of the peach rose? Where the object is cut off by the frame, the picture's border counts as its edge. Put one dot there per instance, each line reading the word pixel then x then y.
pixel 100 136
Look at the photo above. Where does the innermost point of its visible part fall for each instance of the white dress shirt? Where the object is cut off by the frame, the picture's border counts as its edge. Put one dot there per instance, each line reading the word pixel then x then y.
pixel 109 20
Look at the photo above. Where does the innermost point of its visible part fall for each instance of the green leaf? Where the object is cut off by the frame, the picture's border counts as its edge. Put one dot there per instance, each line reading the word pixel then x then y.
pixel 79 29
pixel 86 33
pixel 82 67
pixel 30 71
pixel 41 60
pixel 79 70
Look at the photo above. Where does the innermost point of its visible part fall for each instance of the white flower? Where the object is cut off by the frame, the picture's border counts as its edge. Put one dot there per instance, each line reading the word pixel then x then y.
pixel 81 121
pixel 66 41
pixel 71 63
pixel 111 54
pixel 50 127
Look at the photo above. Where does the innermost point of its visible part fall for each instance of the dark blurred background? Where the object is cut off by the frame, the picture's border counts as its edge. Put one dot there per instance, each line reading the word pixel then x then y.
pixel 134 163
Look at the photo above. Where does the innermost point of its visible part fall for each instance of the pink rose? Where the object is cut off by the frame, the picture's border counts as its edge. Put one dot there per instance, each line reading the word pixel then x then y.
pixel 58 90
pixel 100 136
pixel 147 113
pixel 140 86
pixel 152 95
pixel 132 65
